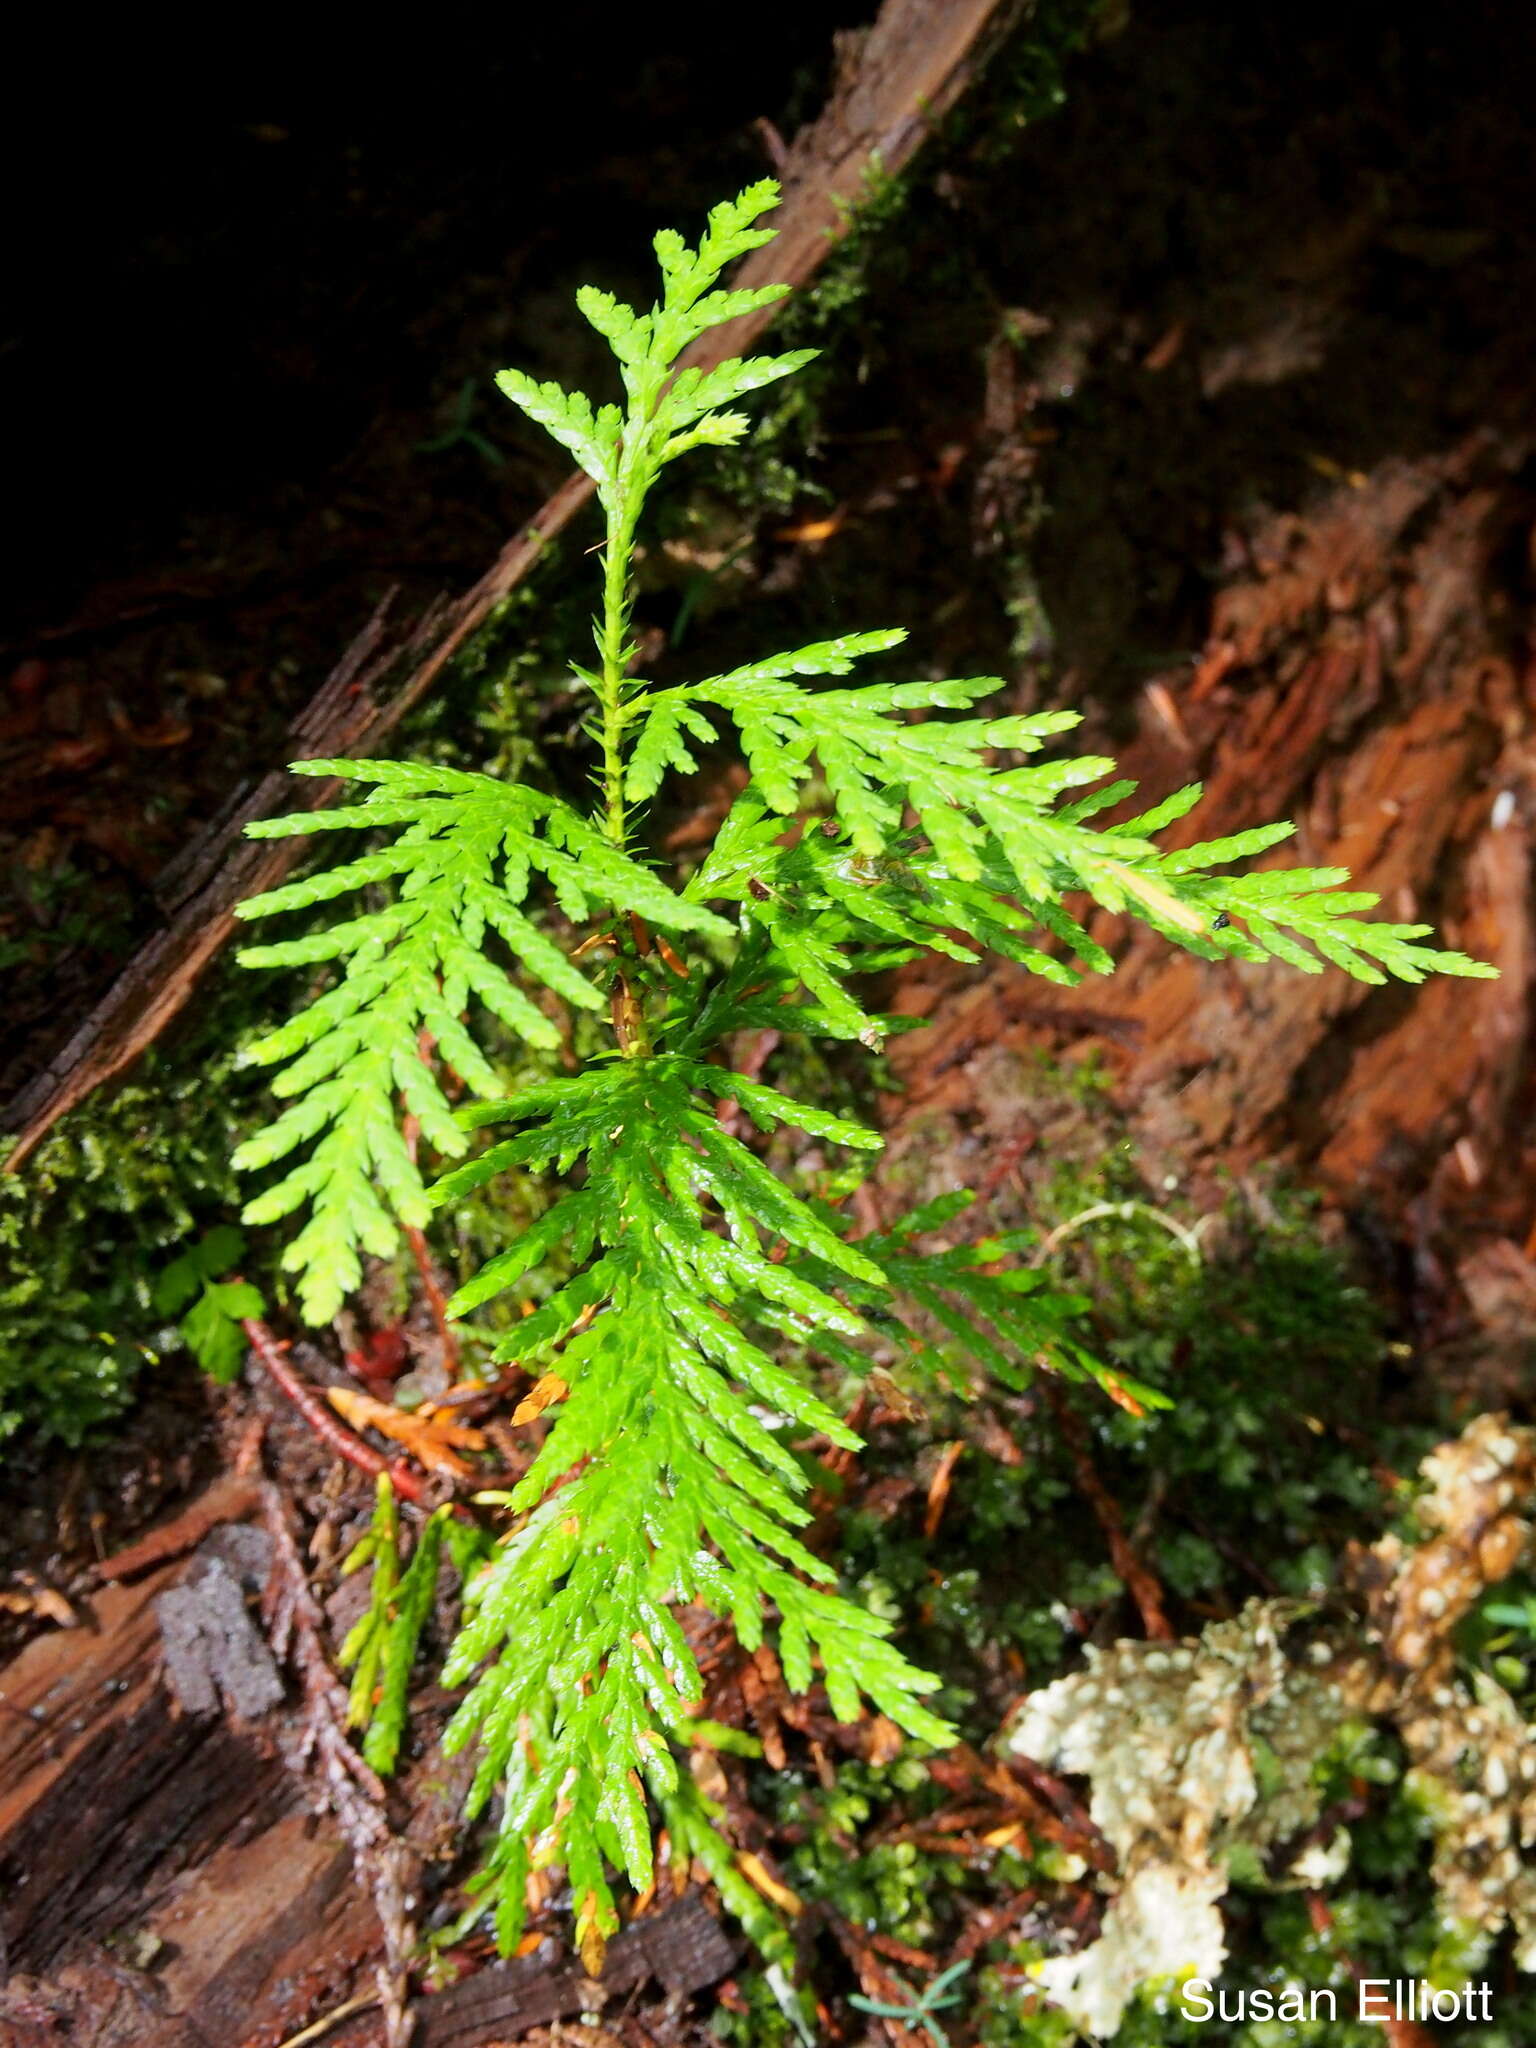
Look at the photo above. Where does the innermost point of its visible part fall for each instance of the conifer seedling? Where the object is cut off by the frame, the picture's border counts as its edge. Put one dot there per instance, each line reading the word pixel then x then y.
pixel 675 1361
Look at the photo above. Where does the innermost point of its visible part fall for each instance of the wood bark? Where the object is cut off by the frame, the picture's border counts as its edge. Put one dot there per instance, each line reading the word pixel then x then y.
pixel 1367 676
pixel 897 80
pixel 164 1881
pixel 161 1880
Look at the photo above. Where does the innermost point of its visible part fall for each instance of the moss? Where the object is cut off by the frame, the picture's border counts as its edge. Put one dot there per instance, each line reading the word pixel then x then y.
pixel 762 2023
pixel 106 1202
pixel 141 1170
pixel 891 1885
pixel 1284 1374
pixel 1280 1366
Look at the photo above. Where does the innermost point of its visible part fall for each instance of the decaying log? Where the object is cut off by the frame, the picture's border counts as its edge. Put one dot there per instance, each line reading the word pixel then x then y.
pixel 1367 677
pixel 898 79
pixel 682 1946
pixel 164 1879
pixel 229 1499
pixel 161 1881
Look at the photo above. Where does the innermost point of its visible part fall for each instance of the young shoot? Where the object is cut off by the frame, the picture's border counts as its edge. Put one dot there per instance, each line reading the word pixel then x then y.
pixel 672 1364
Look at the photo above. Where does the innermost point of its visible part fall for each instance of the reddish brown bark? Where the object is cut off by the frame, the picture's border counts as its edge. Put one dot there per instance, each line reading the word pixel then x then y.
pixel 1365 677
pixel 162 1879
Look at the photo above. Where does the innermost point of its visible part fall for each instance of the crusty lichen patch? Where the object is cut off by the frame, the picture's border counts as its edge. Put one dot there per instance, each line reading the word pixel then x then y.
pixel 1472 1755
pixel 1210 1748
pixel 1193 1749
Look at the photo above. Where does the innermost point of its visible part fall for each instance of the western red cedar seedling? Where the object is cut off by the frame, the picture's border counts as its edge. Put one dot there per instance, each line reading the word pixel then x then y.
pixel 700 1281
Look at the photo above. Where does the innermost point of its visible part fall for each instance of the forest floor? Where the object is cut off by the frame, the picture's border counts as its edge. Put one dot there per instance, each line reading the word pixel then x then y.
pixel 1204 406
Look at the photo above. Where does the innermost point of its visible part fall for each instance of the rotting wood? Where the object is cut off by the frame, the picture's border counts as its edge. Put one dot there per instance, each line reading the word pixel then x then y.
pixel 160 1878
pixel 164 1877
pixel 340 1783
pixel 1363 679
pixel 899 79
pixel 229 1499
pixel 681 1945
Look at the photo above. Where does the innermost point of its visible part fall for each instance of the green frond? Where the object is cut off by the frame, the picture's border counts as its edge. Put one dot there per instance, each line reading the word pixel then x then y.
pixel 997 849
pixel 568 417
pixel 406 1609
pixel 382 1647
pixel 768 1108
pixel 466 858
pixel 696 393
pixel 660 1483
pixel 679 1294
pixel 661 745
pixel 968 1313
pixel 730 234
pixel 362 1652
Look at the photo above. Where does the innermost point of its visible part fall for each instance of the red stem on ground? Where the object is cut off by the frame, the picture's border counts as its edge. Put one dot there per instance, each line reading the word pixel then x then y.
pixel 328 1426
pixel 1134 1575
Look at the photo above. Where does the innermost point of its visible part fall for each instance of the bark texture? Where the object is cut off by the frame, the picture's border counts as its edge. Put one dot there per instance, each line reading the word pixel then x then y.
pixel 1366 673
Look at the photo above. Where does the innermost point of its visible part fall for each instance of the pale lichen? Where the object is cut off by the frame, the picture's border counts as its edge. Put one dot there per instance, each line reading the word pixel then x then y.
pixel 1207 1750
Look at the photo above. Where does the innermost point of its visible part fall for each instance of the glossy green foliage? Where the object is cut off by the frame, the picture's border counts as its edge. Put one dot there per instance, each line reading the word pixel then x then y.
pixel 673 1225
pixel 973 1302
pixel 466 854
pixel 381 1649
pixel 697 1284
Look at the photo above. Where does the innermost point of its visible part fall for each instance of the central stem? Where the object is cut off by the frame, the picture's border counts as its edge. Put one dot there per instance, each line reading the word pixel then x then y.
pixel 613 651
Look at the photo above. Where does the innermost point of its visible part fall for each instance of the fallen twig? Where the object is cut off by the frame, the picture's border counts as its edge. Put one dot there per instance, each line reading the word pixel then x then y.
pixel 317 2028
pixel 938 1488
pixel 229 1499
pixel 1134 1575
pixel 1046 1805
pixel 992 1921
pixel 875 1981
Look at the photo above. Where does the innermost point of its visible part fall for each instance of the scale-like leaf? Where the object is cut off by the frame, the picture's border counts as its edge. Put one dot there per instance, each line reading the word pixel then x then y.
pixel 568 417
pixel 467 855
pixel 677 1293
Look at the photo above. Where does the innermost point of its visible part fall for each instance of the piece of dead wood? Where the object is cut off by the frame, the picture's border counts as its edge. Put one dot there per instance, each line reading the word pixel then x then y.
pixel 229 1499
pixel 683 1946
pixel 898 80
pixel 130 1833
pixel 1358 677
